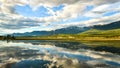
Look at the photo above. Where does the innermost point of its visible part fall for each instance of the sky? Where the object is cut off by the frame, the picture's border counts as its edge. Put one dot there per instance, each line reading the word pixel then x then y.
pixel 19 16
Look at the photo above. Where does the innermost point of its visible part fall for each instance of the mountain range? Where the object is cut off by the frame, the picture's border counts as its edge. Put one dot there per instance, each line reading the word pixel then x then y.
pixel 68 30
pixel 71 30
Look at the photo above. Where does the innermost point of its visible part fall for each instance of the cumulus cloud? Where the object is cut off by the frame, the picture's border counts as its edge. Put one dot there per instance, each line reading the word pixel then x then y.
pixel 9 19
pixel 9 22
pixel 72 5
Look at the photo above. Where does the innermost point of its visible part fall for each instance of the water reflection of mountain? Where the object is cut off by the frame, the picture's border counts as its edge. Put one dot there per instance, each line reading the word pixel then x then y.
pixel 69 45
pixel 112 47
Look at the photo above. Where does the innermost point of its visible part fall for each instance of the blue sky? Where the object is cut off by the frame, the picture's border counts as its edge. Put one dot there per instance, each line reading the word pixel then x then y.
pixel 27 15
pixel 27 11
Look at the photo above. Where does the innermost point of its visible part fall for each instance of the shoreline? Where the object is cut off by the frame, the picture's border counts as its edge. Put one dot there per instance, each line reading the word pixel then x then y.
pixel 77 40
pixel 71 39
pixel 47 39
pixel 63 38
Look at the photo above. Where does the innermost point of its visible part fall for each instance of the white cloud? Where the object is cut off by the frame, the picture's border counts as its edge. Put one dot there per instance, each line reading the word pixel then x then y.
pixel 10 20
pixel 102 9
pixel 95 21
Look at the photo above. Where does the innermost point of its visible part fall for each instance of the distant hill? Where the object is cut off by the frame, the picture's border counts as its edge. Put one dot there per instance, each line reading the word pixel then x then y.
pixel 113 25
pixel 67 30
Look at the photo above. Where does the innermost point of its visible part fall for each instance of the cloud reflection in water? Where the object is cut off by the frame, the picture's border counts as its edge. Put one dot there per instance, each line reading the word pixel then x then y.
pixel 24 52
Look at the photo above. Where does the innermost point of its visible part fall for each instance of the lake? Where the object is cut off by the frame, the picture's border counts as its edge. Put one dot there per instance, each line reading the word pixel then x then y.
pixel 59 54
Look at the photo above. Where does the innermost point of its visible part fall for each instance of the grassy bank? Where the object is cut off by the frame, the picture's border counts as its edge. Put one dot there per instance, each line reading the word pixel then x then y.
pixel 67 37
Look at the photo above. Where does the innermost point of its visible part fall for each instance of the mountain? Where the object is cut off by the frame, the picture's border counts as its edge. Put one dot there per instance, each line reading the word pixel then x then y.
pixel 113 25
pixel 107 30
pixel 67 30
pixel 72 30
pixel 101 33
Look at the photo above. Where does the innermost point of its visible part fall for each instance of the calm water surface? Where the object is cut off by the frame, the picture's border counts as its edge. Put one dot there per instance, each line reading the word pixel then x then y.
pixel 54 54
